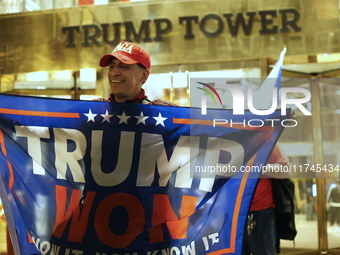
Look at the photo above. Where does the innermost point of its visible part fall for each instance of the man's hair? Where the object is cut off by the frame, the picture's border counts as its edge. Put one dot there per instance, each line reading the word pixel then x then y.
pixel 141 66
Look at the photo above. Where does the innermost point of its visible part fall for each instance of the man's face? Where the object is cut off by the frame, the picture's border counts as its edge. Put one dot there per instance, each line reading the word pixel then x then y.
pixel 126 80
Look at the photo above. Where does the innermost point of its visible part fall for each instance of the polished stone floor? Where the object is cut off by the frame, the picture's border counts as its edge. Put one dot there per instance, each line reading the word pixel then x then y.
pixel 307 236
pixel 306 239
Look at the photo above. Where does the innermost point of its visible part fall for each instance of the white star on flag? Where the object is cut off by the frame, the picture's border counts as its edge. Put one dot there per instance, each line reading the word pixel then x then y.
pixel 106 116
pixel 90 116
pixel 159 120
pixel 141 118
pixel 123 118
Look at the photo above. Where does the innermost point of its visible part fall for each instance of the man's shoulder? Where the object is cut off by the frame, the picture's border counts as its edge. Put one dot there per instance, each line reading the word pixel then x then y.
pixel 143 101
pixel 101 99
pixel 161 102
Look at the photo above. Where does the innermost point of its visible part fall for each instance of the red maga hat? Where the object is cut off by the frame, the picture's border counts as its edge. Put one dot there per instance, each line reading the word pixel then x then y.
pixel 127 53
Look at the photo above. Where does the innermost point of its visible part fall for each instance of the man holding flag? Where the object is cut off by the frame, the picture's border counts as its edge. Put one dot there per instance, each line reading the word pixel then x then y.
pixel 129 66
pixel 94 178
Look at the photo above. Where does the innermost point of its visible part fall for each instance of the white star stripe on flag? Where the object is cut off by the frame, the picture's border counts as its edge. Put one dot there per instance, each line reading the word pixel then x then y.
pixel 123 118
pixel 141 118
pixel 90 116
pixel 106 116
pixel 159 120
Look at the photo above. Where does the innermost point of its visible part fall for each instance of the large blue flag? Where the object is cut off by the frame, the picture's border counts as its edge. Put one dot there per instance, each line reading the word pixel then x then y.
pixel 97 178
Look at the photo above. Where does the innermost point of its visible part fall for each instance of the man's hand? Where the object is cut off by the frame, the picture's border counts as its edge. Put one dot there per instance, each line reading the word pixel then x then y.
pixel 291 115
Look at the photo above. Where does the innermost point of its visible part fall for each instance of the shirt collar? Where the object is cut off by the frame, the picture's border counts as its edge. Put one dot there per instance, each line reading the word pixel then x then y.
pixel 133 100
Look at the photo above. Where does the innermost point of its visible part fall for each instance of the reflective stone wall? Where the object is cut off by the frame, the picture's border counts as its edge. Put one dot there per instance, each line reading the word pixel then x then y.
pixel 174 32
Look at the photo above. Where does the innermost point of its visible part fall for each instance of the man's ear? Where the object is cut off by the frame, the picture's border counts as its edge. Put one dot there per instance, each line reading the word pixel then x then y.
pixel 145 76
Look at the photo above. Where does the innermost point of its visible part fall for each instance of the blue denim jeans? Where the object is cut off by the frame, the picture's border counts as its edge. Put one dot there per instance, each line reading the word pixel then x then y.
pixel 263 238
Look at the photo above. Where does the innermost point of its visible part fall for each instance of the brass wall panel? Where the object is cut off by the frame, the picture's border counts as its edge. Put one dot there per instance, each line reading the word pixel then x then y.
pixel 35 41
